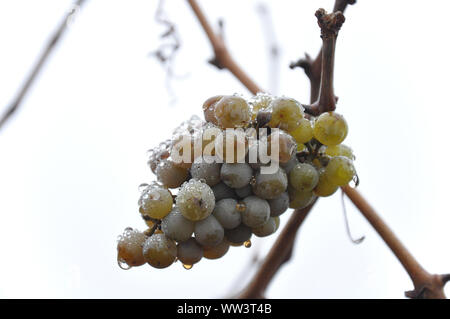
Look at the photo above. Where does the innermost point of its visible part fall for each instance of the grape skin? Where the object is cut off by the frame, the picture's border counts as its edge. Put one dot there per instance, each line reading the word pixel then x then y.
pixel 155 202
pixel 303 177
pixel 208 232
pixel 286 146
pixel 209 172
pixel 268 228
pixel 286 113
pixel 176 226
pixel 340 170
pixel 170 175
pixel 303 133
pixel 279 205
pixel 340 150
pixel 236 175
pixel 232 111
pixel 208 109
pixel 325 187
pixel 189 252
pixel 239 234
pixel 195 200
pixel 222 191
pixel 300 199
pixel 129 247
pixel 330 128
pixel 257 211
pixel 244 191
pixel 159 251
pixel 270 186
pixel 216 252
pixel 226 213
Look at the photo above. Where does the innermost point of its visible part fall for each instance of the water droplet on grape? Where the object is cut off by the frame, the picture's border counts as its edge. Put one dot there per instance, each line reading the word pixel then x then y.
pixel 248 243
pixel 142 187
pixel 122 264
pixel 253 181
pixel 187 266
pixel 240 207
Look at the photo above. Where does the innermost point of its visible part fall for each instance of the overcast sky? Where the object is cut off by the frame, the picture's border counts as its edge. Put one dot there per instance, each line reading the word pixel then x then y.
pixel 72 157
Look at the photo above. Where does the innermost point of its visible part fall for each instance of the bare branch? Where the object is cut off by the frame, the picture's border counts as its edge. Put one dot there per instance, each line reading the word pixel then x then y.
pixel 223 58
pixel 54 39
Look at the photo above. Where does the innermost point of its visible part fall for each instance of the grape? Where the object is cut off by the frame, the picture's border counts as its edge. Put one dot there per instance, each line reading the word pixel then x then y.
pixel 303 133
pixel 284 142
pixel 208 108
pixel 159 251
pixel 232 111
pixel 324 187
pixel 195 200
pixel 205 139
pixel 226 213
pixel 245 191
pixel 257 211
pixel 268 228
pixel 340 150
pixel 330 128
pixel 129 247
pixel 259 102
pixel 222 191
pixel 155 202
pixel 303 177
pixel 170 175
pixel 279 205
pixel 286 113
pixel 207 171
pixel 208 232
pixel 340 170
pixel 289 165
pixel 238 235
pixel 231 146
pixel 182 151
pixel 300 199
pixel 189 252
pixel 217 251
pixel 236 175
pixel 159 153
pixel 270 186
pixel 176 226
pixel 254 157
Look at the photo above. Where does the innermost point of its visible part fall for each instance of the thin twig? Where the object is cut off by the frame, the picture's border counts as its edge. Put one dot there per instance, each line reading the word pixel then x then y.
pixel 426 285
pixel 62 27
pixel 223 58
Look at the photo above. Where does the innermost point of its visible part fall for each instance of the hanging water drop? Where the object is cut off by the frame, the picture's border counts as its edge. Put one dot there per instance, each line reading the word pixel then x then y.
pixel 248 243
pixel 122 264
pixel 240 207
pixel 187 266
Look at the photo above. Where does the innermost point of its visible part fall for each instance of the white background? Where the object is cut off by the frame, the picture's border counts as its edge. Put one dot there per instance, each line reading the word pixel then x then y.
pixel 73 155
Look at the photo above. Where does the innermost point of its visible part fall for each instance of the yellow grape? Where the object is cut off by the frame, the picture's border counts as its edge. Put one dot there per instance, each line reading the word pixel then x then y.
pixel 231 112
pixel 286 113
pixel 330 128
pixel 260 102
pixel 208 108
pixel 340 170
pixel 300 199
pixel 217 251
pixel 325 187
pixel 129 247
pixel 155 202
pixel 159 251
pixel 303 133
pixel 340 150
pixel 195 200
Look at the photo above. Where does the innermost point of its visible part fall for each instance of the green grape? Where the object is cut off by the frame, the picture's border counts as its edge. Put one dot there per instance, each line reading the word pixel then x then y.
pixel 303 133
pixel 286 113
pixel 268 228
pixel 176 226
pixel 227 214
pixel 340 170
pixel 195 200
pixel 325 187
pixel 232 111
pixel 170 175
pixel 257 211
pixel 236 175
pixel 270 186
pixel 303 177
pixel 189 252
pixel 208 232
pixel 339 150
pixel 300 199
pixel 330 128
pixel 159 251
pixel 129 247
pixel 217 251
pixel 155 202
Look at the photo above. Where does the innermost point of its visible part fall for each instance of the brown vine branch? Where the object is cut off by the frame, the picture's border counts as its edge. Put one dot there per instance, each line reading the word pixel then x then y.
pixel 330 24
pixel 426 285
pixel 312 68
pixel 62 27
pixel 222 57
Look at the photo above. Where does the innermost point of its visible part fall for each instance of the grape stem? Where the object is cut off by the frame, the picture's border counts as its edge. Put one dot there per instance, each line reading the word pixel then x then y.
pixel 222 57
pixel 426 285
pixel 313 68
pixel 330 24
pixel 51 44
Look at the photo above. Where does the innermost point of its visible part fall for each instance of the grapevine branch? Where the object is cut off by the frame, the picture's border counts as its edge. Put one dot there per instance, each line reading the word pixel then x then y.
pixel 426 285
pixel 51 44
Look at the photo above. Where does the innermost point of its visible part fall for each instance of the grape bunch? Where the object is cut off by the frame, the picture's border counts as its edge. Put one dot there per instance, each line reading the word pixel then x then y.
pixel 226 178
